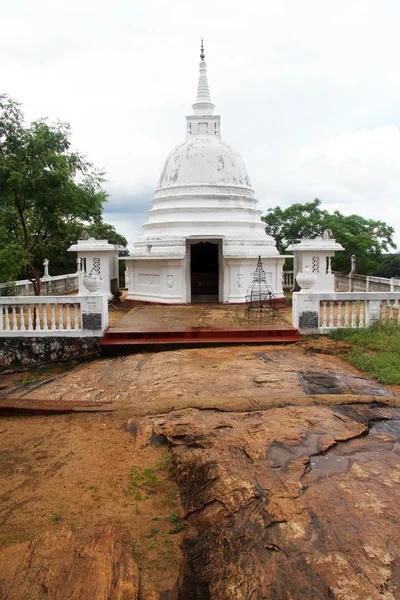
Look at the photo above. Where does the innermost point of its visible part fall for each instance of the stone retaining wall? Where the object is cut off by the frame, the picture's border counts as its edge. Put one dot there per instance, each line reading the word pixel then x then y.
pixel 29 351
pixel 53 286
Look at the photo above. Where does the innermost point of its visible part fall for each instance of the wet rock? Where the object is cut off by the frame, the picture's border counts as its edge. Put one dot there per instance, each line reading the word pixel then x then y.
pixel 265 517
pixel 317 382
pixel 328 382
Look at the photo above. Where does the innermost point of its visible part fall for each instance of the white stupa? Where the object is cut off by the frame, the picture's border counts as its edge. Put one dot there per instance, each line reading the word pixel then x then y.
pixel 204 234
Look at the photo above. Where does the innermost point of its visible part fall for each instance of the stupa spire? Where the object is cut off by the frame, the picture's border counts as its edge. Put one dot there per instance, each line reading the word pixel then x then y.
pixel 203 104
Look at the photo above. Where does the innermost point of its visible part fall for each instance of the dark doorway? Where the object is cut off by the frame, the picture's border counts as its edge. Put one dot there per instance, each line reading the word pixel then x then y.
pixel 204 272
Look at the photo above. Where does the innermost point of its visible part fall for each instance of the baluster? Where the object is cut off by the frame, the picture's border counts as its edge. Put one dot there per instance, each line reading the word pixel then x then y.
pixel 1 317
pixel 53 317
pixel 339 314
pixel 384 302
pixel 68 317
pixel 331 325
pixel 76 316
pixel 391 307
pixel 7 319
pixel 45 325
pixel 37 315
pixel 22 317
pixel 30 324
pixel 362 313
pixel 353 313
pixel 398 311
pixel 14 319
pixel 324 313
pixel 60 317
pixel 346 314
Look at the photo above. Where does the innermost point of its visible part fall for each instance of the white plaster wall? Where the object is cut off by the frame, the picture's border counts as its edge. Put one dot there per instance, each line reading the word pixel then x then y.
pixel 156 280
pixel 238 275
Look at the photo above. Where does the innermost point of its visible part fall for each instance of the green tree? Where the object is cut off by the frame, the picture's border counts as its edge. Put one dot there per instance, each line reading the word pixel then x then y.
pixel 55 247
pixel 45 189
pixel 367 239
pixel 389 266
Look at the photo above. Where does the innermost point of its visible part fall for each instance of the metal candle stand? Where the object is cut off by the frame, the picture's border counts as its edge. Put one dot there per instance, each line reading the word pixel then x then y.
pixel 260 297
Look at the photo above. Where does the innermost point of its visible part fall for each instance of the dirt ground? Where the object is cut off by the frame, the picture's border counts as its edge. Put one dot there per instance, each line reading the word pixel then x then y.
pixel 76 472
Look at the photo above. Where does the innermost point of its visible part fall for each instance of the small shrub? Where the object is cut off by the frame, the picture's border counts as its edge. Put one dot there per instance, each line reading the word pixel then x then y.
pixel 56 518
pixel 166 461
pixel 178 523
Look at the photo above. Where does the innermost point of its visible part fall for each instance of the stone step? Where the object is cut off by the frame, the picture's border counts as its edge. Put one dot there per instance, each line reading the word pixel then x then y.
pixel 192 336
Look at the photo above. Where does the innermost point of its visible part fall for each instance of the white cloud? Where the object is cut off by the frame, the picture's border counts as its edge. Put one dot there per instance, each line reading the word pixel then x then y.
pixel 308 91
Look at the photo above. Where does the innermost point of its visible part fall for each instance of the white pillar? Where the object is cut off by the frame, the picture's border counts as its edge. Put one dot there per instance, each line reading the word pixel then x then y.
pixel 94 310
pixel 305 312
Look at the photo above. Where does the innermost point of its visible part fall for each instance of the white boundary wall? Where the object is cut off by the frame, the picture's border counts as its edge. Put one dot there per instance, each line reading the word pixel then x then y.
pixel 353 282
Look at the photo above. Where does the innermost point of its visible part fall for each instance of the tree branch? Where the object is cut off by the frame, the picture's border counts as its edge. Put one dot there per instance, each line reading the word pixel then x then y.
pixel 37 236
pixel 22 219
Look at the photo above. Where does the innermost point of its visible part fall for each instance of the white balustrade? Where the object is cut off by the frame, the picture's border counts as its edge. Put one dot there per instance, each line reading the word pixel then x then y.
pixel 346 314
pixel 287 279
pixel 344 309
pixel 31 316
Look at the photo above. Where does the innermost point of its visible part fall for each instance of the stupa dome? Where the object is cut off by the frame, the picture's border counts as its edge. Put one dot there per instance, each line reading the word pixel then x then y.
pixel 204 160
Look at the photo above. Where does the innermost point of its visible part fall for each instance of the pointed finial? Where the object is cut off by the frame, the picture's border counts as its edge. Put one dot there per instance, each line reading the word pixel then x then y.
pixel 202 55
pixel 203 104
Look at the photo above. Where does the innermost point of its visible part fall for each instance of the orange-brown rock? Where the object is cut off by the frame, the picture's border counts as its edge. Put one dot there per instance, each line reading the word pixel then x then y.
pixel 65 566
pixel 296 503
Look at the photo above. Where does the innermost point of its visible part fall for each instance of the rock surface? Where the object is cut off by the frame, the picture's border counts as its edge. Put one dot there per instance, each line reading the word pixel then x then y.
pixel 63 565
pixel 287 504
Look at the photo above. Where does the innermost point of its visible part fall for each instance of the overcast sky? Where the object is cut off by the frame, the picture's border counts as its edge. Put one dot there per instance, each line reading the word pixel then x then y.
pixel 308 92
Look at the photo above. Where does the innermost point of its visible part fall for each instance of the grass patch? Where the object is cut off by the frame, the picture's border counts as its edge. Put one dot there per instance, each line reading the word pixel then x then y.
pixel 165 462
pixel 374 350
pixel 56 518
pixel 178 523
pixel 142 479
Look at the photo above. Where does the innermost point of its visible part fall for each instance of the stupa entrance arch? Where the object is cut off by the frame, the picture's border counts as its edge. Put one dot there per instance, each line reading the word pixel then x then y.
pixel 204 270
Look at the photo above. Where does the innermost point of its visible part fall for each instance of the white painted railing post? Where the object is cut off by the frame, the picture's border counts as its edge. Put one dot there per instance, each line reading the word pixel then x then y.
pixel 94 311
pixel 339 313
pixel 383 313
pixel 305 312
pixel 361 313
pixel 353 313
